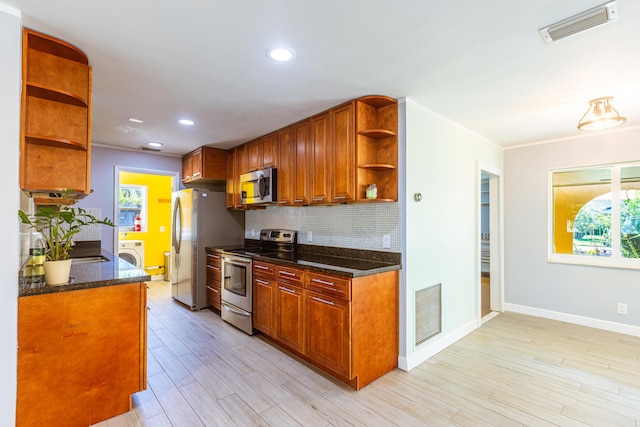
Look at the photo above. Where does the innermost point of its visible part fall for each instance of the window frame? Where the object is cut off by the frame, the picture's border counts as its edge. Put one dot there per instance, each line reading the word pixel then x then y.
pixel 143 209
pixel 615 260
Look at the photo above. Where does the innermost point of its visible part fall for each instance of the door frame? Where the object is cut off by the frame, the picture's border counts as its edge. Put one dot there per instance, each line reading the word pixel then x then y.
pixel 175 185
pixel 496 248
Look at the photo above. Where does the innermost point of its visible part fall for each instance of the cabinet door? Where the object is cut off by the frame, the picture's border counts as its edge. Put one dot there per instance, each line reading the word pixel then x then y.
pixel 290 311
pixel 320 159
pixel 329 332
pixel 286 166
pixel 301 174
pixel 214 163
pixel 231 178
pixel 264 305
pixel 196 164
pixel 343 153
pixel 270 150
pixel 187 167
pixel 254 155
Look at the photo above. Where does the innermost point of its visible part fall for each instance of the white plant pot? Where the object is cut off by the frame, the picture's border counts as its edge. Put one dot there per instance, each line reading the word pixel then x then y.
pixel 57 272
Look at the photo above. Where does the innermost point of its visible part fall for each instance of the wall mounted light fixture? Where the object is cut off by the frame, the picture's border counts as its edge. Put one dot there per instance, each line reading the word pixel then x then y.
pixel 600 115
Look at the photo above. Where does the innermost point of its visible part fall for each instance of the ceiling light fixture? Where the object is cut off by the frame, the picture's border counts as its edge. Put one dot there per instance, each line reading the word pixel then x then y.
pixel 186 122
pixel 134 120
pixel 155 144
pixel 600 115
pixel 281 54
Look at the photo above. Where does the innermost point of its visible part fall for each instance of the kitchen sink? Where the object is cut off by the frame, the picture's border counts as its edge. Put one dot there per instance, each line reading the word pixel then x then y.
pixel 89 259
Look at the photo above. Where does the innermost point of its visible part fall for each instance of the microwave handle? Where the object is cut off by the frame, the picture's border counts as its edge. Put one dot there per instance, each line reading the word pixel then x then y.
pixel 262 186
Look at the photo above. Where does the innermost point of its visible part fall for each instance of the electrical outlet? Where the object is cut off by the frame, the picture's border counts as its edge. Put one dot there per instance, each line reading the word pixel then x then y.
pixel 386 241
pixel 253 232
pixel 622 308
pixel 309 236
pixel 162 228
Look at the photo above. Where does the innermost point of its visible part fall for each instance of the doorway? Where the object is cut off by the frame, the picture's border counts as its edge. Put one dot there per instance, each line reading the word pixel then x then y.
pixel 490 283
pixel 142 205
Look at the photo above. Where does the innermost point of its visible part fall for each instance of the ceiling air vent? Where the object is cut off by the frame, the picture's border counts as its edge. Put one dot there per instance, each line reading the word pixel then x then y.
pixel 143 148
pixel 581 22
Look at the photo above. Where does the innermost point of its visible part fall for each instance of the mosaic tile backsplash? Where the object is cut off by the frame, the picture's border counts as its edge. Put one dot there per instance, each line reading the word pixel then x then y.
pixel 358 226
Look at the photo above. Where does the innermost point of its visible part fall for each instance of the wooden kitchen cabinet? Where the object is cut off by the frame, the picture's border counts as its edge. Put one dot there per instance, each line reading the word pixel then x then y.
pixel 262 152
pixel 81 354
pixel 320 150
pixel 264 298
pixel 214 279
pixel 286 166
pixel 301 174
pixel 55 128
pixel 290 313
pixel 237 157
pixel 329 338
pixel 204 165
pixel 343 153
pixel 347 327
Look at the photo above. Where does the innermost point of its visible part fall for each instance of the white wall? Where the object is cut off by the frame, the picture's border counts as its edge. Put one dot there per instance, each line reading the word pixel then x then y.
pixel 10 62
pixel 580 294
pixel 442 231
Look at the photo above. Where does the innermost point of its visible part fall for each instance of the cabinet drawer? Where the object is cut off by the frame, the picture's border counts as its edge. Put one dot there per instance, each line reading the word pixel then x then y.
pixel 264 269
pixel 214 259
pixel 213 296
pixel 332 285
pixel 213 276
pixel 291 275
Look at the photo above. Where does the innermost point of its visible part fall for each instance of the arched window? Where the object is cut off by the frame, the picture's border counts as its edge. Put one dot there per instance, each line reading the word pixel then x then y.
pixel 592 227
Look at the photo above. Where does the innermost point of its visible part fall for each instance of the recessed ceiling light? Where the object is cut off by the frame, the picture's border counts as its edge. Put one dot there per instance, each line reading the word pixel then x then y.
pixel 281 54
pixel 155 144
pixel 134 120
pixel 186 122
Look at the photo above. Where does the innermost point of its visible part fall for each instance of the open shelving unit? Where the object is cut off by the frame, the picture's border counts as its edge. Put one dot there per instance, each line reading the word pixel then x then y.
pixel 56 116
pixel 377 147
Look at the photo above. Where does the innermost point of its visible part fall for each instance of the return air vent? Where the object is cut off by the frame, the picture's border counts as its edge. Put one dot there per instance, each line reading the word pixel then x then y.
pixel 428 312
pixel 581 22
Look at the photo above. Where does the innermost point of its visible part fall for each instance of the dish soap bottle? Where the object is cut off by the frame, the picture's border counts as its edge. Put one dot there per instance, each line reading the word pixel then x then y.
pixel 38 249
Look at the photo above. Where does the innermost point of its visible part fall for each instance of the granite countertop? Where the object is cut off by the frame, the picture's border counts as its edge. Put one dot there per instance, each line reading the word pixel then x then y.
pixel 89 275
pixel 344 262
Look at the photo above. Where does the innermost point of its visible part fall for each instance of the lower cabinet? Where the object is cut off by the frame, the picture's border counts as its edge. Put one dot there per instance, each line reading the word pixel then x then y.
pixel 214 279
pixel 81 354
pixel 329 338
pixel 346 327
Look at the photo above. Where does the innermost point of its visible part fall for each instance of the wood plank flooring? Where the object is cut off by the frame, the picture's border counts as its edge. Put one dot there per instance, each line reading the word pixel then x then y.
pixel 516 370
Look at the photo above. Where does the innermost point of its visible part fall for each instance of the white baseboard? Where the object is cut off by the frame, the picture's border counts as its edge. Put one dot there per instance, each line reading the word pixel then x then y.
pixel 606 325
pixel 427 350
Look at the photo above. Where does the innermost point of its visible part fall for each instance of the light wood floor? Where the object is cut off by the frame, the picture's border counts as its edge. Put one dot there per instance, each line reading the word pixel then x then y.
pixel 515 370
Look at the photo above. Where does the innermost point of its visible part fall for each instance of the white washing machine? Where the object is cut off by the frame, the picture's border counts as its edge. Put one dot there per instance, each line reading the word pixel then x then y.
pixel 132 251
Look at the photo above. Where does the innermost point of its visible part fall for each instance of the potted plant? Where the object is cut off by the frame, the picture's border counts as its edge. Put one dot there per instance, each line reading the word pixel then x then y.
pixel 58 223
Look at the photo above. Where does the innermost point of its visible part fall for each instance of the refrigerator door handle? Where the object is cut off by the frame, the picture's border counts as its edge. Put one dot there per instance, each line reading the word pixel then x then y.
pixel 176 234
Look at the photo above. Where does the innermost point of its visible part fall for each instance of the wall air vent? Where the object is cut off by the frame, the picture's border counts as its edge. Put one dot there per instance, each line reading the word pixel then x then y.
pixel 428 312
pixel 581 22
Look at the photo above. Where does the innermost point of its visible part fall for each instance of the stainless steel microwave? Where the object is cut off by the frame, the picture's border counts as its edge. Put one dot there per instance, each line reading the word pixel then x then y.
pixel 259 187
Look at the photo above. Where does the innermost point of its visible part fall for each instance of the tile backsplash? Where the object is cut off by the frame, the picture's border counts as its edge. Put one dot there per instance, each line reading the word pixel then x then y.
pixel 358 226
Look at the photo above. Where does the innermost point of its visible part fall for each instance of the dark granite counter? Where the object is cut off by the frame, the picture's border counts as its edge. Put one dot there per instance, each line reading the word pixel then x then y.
pixel 84 275
pixel 344 262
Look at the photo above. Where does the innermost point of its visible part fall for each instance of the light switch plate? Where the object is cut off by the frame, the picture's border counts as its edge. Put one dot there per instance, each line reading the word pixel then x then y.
pixel 309 236
pixel 386 241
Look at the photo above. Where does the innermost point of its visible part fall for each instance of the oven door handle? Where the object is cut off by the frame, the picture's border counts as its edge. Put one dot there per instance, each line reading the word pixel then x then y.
pixel 233 309
pixel 234 260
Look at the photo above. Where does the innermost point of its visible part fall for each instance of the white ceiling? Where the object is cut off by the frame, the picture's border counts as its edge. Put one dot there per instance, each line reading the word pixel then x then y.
pixel 481 64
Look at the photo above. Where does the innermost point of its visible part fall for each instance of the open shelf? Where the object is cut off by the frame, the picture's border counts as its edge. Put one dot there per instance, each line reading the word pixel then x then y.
pixel 377 166
pixel 377 101
pixel 53 94
pixel 54 142
pixel 377 133
pixel 50 45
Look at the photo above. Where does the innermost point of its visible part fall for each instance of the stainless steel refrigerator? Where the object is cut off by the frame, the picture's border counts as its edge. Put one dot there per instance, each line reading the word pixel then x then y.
pixel 200 219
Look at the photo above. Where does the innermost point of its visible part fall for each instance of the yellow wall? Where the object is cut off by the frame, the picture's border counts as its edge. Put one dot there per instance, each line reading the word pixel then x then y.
pixel 156 242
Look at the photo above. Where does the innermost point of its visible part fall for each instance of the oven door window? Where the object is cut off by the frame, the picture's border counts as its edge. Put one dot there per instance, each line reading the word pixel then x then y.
pixel 235 279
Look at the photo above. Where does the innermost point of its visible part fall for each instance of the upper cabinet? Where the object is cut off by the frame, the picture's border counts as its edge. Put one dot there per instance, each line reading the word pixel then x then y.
pixel 331 157
pixel 204 166
pixel 55 142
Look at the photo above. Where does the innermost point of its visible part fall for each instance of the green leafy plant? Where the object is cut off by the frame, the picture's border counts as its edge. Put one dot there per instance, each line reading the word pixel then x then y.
pixel 58 223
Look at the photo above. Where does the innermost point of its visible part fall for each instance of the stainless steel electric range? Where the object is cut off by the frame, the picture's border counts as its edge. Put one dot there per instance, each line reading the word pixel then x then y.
pixel 237 274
